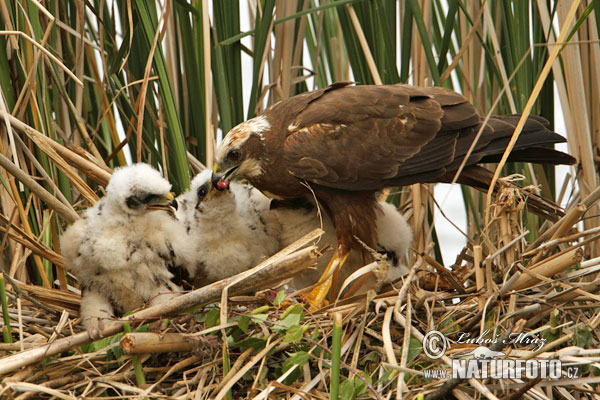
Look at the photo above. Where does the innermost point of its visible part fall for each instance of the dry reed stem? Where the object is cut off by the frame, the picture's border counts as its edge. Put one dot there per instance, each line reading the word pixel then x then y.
pixel 151 342
pixel 479 275
pixel 364 45
pixel 98 173
pixel 65 212
pixel 259 277
pixel 19 235
pixel 45 51
pixel 548 268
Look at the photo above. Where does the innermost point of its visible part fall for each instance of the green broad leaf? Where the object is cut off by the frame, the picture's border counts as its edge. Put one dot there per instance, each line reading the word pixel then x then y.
pixel 264 372
pixel 252 342
pixel 583 337
pixel 231 341
pixel 387 376
pixel 314 335
pixel 448 326
pixel 295 333
pixel 293 376
pixel 550 335
pixel 414 348
pixel 111 354
pixel 354 387
pixel 360 387
pixel 299 358
pixel 243 323
pixel 199 317
pixel 372 356
pixel 279 298
pixel 212 318
pixel 259 317
pixel 287 322
pixel 347 389
pixel 97 345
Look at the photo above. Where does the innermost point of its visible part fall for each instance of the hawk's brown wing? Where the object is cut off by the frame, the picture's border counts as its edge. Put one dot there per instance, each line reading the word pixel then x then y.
pixel 368 137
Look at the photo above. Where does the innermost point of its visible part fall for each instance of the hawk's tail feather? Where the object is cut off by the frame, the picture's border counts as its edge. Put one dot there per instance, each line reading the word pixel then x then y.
pixel 530 146
pixel 535 154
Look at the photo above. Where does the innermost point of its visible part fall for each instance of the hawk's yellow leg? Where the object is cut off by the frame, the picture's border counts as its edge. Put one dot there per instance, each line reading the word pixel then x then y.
pixel 316 297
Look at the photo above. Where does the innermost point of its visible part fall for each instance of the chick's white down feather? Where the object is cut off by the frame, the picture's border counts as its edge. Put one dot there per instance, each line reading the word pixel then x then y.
pixel 394 238
pixel 234 230
pixel 230 231
pixel 121 252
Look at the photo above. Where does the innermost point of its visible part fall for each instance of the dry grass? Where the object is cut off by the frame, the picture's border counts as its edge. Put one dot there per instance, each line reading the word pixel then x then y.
pixel 509 288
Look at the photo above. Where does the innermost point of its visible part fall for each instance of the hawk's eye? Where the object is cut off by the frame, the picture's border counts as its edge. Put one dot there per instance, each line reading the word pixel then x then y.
pixel 202 191
pixel 233 155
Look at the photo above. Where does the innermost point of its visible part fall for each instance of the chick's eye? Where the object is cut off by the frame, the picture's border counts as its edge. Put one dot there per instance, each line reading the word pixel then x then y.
pixel 202 192
pixel 133 202
pixel 233 155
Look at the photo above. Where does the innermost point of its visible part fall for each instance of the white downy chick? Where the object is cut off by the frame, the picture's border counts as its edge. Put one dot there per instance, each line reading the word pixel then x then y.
pixel 230 230
pixel 122 248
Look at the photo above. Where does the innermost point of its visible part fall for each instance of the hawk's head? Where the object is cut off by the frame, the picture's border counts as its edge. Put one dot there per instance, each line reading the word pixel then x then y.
pixel 138 188
pixel 242 152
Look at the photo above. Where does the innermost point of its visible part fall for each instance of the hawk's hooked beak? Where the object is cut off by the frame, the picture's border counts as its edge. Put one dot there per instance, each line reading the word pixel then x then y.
pixel 221 181
pixel 166 203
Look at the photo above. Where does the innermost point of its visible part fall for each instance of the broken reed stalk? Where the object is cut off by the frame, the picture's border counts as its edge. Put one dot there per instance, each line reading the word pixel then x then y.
pixel 285 264
pixel 140 378
pixel 588 202
pixel 151 342
pixel 562 227
pixel 549 268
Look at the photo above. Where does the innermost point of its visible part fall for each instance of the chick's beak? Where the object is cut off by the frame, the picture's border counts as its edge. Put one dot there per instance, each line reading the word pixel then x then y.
pixel 166 203
pixel 215 192
pixel 219 181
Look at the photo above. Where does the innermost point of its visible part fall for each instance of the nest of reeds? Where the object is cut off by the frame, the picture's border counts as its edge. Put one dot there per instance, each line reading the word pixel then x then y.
pixel 249 337
pixel 85 84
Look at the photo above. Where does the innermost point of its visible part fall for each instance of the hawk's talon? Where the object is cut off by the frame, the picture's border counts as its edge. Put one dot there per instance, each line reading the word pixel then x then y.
pixel 317 298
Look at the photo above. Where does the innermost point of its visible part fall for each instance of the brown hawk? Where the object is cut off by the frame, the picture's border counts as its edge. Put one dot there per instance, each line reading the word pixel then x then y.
pixel 345 143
